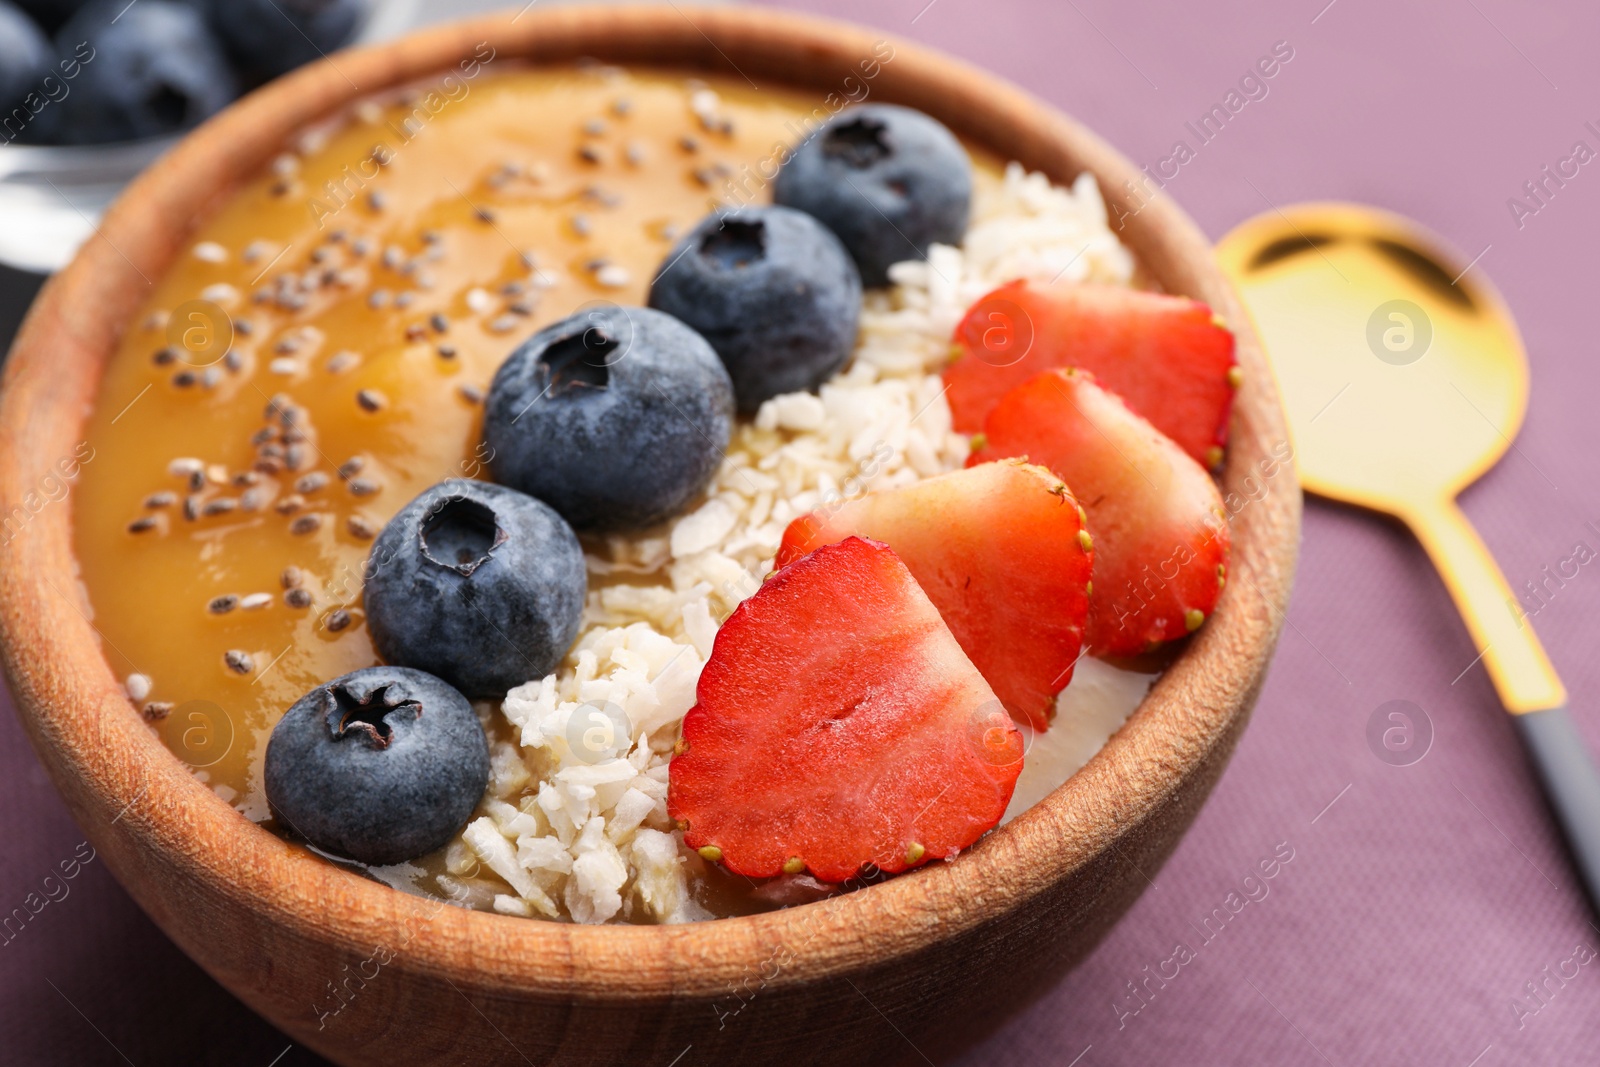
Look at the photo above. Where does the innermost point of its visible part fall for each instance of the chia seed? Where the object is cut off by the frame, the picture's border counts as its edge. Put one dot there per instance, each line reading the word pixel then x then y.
pixel 338 619
pixel 289 504
pixel 220 506
pixel 370 400
pixel 305 524
pixel 239 662
pixel 364 487
pixel 351 467
pixel 360 528
pixel 157 710
pixel 310 483
pixel 297 598
pixel 142 524
pixel 221 605
pixel 164 499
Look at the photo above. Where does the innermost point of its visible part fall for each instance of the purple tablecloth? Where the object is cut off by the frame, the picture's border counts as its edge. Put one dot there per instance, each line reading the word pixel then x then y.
pixel 1420 901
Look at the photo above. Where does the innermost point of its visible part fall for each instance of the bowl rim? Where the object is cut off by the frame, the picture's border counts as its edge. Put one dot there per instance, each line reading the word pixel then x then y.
pixel 142 804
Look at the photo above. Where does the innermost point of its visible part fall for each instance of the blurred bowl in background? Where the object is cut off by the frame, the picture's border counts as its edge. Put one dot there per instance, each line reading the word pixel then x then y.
pixel 52 197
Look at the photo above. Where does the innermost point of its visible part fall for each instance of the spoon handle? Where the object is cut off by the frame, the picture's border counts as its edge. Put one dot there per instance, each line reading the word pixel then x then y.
pixel 1524 678
pixel 1501 633
pixel 1571 785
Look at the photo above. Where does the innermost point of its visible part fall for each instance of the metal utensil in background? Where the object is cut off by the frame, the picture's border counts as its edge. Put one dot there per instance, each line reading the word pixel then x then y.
pixel 1404 379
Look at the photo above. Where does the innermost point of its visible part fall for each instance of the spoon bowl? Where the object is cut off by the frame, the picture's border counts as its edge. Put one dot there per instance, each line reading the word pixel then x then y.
pixel 1403 381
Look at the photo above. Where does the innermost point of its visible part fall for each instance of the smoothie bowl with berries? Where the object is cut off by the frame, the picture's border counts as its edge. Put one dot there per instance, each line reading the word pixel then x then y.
pixel 591 527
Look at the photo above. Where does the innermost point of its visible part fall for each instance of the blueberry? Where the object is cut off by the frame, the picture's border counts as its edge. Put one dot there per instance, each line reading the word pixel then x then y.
pixel 616 417
pixel 888 180
pixel 381 765
pixel 774 292
pixel 25 57
pixel 272 37
pixel 155 70
pixel 478 584
pixel 50 14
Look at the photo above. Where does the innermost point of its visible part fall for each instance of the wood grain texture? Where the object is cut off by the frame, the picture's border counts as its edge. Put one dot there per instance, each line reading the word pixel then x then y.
pixel 913 966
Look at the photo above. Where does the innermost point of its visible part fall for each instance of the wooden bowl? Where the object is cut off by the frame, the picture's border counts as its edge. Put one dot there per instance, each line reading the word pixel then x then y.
pixel 903 968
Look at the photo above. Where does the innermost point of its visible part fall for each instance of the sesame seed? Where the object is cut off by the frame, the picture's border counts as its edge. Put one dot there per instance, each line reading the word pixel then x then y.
pixel 221 605
pixel 292 578
pixel 364 486
pixel 210 377
pixel 284 365
pixel 310 483
pixel 305 524
pixel 297 598
pixel 164 499
pixel 612 276
pixel 370 400
pixel 350 467
pixel 479 300
pixel 342 361
pixel 290 504
pixel 217 474
pixel 237 661
pixel 157 710
pixel 142 524
pixel 338 619
pixel 255 601
pixel 137 685
pixel 360 527
pixel 210 252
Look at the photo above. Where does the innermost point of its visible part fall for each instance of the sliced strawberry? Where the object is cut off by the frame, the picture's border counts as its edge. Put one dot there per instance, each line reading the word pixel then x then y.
pixel 1160 533
pixel 1165 355
pixel 999 550
pixel 839 724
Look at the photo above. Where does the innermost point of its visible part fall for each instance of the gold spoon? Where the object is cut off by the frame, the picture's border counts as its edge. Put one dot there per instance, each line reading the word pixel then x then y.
pixel 1404 379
